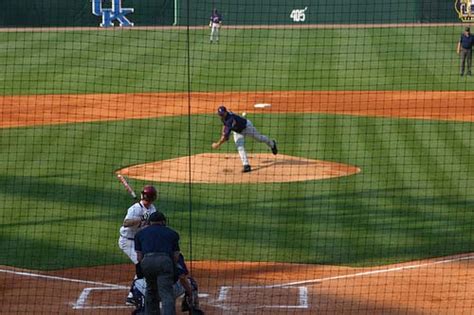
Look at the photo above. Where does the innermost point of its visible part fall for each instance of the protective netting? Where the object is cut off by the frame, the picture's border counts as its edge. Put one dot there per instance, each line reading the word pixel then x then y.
pixel 315 157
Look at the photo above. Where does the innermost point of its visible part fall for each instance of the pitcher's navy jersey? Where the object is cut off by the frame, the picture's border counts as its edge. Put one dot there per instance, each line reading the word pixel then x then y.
pixel 233 122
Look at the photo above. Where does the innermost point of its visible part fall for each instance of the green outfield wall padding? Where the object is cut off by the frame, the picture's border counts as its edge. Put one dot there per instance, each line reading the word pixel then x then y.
pixel 54 13
pixel 327 11
pixel 437 11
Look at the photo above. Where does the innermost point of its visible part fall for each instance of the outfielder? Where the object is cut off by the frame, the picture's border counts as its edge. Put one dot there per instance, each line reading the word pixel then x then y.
pixel 136 218
pixel 241 128
pixel 215 24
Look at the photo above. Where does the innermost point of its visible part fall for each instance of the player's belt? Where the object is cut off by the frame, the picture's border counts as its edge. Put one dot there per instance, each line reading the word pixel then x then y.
pixel 157 254
pixel 128 238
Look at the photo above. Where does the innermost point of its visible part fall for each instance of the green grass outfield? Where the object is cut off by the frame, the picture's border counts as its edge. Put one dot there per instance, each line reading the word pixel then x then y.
pixel 62 207
pixel 405 58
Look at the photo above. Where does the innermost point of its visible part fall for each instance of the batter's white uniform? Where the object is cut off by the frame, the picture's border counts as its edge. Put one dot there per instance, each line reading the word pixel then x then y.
pixel 127 234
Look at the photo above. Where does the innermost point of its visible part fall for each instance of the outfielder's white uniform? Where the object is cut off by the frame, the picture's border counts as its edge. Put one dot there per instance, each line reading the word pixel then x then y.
pixel 127 234
pixel 215 24
pixel 214 32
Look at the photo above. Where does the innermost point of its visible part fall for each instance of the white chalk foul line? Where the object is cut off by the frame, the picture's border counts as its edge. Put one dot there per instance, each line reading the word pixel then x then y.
pixel 223 293
pixel 302 302
pixel 36 275
pixel 365 273
pixel 81 301
pixel 303 290
pixel 302 299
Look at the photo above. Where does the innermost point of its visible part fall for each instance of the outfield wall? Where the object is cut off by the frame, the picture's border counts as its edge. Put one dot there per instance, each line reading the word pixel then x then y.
pixel 56 13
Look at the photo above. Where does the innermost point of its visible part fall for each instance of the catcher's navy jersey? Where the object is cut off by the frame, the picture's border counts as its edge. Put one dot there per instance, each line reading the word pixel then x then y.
pixel 233 122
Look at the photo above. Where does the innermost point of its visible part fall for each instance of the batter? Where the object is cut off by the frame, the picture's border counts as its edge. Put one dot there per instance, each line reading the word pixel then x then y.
pixel 136 218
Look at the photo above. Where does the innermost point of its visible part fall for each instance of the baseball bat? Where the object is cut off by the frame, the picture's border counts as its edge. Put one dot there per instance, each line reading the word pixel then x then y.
pixel 127 186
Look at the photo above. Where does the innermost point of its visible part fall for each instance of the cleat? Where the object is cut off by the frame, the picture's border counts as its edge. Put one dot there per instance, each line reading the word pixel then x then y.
pixel 274 148
pixel 246 169
pixel 131 301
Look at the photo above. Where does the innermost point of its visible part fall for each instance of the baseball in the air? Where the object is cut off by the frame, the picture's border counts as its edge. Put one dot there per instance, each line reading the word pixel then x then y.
pixel 244 114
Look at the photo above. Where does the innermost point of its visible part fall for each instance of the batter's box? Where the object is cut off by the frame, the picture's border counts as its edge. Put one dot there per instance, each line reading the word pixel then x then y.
pixel 111 297
pixel 263 297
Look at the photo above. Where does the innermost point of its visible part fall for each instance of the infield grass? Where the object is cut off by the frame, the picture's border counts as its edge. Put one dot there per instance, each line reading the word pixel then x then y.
pixel 61 205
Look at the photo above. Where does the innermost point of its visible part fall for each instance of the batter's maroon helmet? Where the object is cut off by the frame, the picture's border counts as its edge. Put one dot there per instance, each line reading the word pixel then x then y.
pixel 149 193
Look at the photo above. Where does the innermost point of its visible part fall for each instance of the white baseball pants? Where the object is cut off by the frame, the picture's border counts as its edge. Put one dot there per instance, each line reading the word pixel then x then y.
pixel 215 32
pixel 128 247
pixel 249 131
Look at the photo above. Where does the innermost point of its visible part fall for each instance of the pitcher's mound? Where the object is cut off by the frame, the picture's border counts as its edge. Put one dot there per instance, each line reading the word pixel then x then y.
pixel 227 169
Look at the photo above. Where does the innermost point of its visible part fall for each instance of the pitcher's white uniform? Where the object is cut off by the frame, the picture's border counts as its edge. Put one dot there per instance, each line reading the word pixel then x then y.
pixel 127 234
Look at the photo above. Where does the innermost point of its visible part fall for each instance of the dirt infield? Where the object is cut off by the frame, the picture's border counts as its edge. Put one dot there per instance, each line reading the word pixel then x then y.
pixel 62 109
pixel 435 286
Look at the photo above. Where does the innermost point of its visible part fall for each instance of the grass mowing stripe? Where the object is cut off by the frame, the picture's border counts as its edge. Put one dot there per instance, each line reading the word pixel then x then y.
pixel 396 209
pixel 245 60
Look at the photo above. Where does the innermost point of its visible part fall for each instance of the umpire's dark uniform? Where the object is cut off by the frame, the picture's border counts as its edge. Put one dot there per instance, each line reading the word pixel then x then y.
pixel 465 50
pixel 157 249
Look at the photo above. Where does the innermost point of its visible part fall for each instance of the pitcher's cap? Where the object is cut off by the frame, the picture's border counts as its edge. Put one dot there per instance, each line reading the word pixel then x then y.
pixel 221 110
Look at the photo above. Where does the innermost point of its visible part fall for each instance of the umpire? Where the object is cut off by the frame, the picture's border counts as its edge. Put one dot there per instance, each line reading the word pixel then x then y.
pixel 464 49
pixel 157 248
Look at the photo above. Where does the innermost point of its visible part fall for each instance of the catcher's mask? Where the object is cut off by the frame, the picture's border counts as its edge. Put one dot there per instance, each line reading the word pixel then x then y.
pixel 149 193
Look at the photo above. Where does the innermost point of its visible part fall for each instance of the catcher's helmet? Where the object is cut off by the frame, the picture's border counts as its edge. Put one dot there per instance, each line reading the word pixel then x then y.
pixel 149 193
pixel 221 111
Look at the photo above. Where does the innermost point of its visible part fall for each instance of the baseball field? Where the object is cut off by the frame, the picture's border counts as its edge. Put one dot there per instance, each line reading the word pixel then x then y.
pixel 367 208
